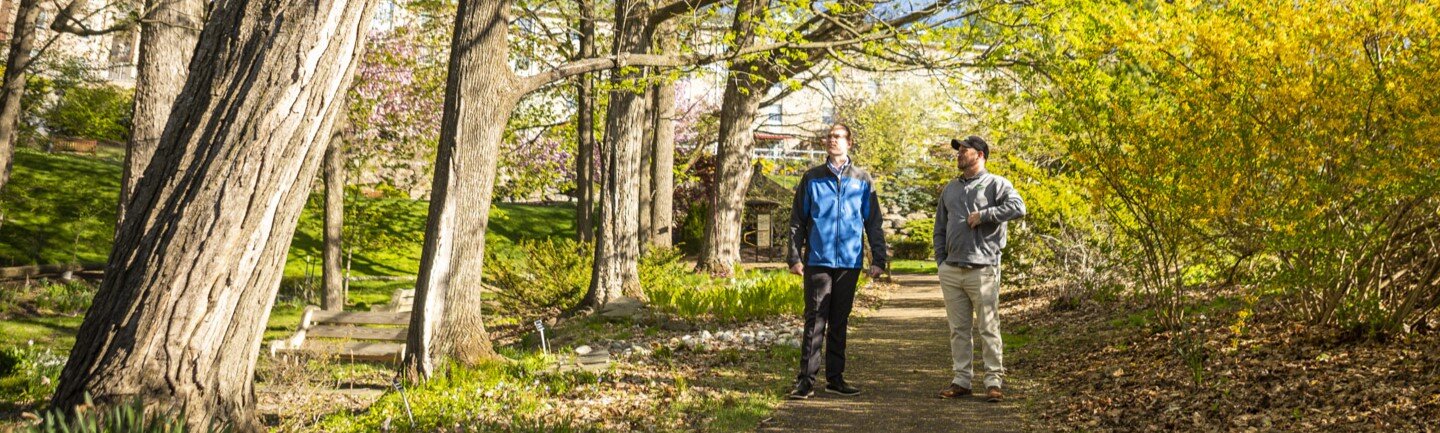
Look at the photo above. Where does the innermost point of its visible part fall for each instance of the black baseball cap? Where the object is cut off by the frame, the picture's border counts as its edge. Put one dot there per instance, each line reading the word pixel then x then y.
pixel 973 142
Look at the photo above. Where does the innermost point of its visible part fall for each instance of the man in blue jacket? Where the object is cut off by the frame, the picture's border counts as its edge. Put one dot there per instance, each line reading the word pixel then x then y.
pixel 835 208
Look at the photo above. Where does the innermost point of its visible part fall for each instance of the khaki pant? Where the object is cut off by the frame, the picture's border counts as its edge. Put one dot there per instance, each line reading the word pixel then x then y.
pixel 973 295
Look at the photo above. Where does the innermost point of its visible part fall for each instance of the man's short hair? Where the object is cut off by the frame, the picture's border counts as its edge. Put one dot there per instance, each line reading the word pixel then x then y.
pixel 973 142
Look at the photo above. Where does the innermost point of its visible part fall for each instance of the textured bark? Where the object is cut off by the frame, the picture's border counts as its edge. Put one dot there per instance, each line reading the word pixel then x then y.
pixel 22 41
pixel 662 207
pixel 744 90
pixel 195 267
pixel 616 271
pixel 585 130
pixel 480 94
pixel 732 176
pixel 167 43
pixel 332 274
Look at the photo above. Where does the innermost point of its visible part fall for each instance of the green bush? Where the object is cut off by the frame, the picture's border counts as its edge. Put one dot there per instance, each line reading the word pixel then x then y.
pixel 539 278
pixel 100 112
pixel 913 248
pixel 916 240
pixel 692 229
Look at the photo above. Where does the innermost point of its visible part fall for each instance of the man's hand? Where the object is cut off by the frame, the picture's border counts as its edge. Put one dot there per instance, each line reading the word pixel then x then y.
pixel 797 269
pixel 875 271
pixel 974 219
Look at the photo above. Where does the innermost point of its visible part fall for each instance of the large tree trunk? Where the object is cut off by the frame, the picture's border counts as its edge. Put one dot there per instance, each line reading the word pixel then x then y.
pixel 22 41
pixel 333 275
pixel 585 130
pixel 744 89
pixel 616 271
pixel 480 95
pixel 167 42
pixel 663 207
pixel 195 267
pixel 732 176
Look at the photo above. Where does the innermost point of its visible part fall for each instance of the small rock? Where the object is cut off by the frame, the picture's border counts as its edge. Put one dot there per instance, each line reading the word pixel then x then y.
pixel 584 350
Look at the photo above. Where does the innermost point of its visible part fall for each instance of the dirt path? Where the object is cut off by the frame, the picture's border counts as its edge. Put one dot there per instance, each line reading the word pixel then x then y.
pixel 900 356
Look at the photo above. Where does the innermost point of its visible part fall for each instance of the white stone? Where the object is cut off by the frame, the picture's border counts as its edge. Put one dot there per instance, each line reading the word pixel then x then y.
pixel 584 350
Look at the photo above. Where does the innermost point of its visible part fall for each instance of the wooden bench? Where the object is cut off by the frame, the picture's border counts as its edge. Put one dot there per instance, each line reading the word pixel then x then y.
pixel 348 335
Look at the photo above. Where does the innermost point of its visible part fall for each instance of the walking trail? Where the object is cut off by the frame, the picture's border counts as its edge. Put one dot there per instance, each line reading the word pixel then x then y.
pixel 900 357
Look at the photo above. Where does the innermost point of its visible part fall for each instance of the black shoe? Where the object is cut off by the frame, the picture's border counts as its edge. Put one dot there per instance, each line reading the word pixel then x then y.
pixel 842 388
pixel 803 390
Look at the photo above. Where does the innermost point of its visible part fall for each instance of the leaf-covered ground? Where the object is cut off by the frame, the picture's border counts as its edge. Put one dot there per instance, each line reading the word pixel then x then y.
pixel 1238 367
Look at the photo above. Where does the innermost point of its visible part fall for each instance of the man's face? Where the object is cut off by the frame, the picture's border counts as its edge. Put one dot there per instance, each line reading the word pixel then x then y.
pixel 838 142
pixel 966 157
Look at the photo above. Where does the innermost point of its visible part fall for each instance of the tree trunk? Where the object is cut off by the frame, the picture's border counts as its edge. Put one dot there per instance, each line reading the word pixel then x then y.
pixel 585 130
pixel 744 89
pixel 332 274
pixel 22 41
pixel 480 94
pixel 616 271
pixel 195 267
pixel 732 176
pixel 167 42
pixel 662 208
pixel 647 170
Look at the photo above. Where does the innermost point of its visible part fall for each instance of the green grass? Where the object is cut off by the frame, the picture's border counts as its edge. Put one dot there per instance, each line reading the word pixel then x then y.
pixel 913 267
pixel 58 209
pixel 56 331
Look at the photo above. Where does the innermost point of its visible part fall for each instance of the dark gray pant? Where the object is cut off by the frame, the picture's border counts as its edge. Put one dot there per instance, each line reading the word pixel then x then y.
pixel 829 296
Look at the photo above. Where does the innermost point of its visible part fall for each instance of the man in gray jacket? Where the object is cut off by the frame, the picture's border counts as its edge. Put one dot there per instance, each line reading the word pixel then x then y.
pixel 969 234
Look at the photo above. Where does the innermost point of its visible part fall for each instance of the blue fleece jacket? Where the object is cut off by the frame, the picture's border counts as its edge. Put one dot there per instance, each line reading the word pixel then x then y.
pixel 831 217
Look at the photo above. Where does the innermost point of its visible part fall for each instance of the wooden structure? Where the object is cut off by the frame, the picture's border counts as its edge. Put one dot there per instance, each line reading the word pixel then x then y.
pixel 349 335
pixel 767 216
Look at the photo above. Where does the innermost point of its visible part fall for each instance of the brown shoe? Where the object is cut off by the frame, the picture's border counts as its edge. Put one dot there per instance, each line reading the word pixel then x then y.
pixel 993 394
pixel 954 391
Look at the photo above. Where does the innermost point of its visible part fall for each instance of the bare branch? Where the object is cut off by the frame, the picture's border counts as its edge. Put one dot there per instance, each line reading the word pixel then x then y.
pixel 66 21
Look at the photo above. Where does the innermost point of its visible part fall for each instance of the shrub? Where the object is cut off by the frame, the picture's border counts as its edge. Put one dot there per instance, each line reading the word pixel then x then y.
pixel 539 278
pixel 100 112
pixel 913 248
pixel 692 229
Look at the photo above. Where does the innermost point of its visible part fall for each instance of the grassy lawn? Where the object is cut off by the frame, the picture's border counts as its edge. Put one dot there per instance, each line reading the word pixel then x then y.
pixel 60 208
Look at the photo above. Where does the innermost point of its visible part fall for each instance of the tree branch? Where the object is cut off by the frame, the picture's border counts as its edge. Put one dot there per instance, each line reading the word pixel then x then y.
pixel 677 8
pixel 66 21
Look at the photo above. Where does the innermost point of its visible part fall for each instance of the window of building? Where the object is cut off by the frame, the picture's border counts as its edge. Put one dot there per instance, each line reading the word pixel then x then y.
pixel 774 115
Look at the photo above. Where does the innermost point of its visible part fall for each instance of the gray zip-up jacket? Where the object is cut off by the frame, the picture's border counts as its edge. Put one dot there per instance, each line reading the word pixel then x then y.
pixel 996 200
